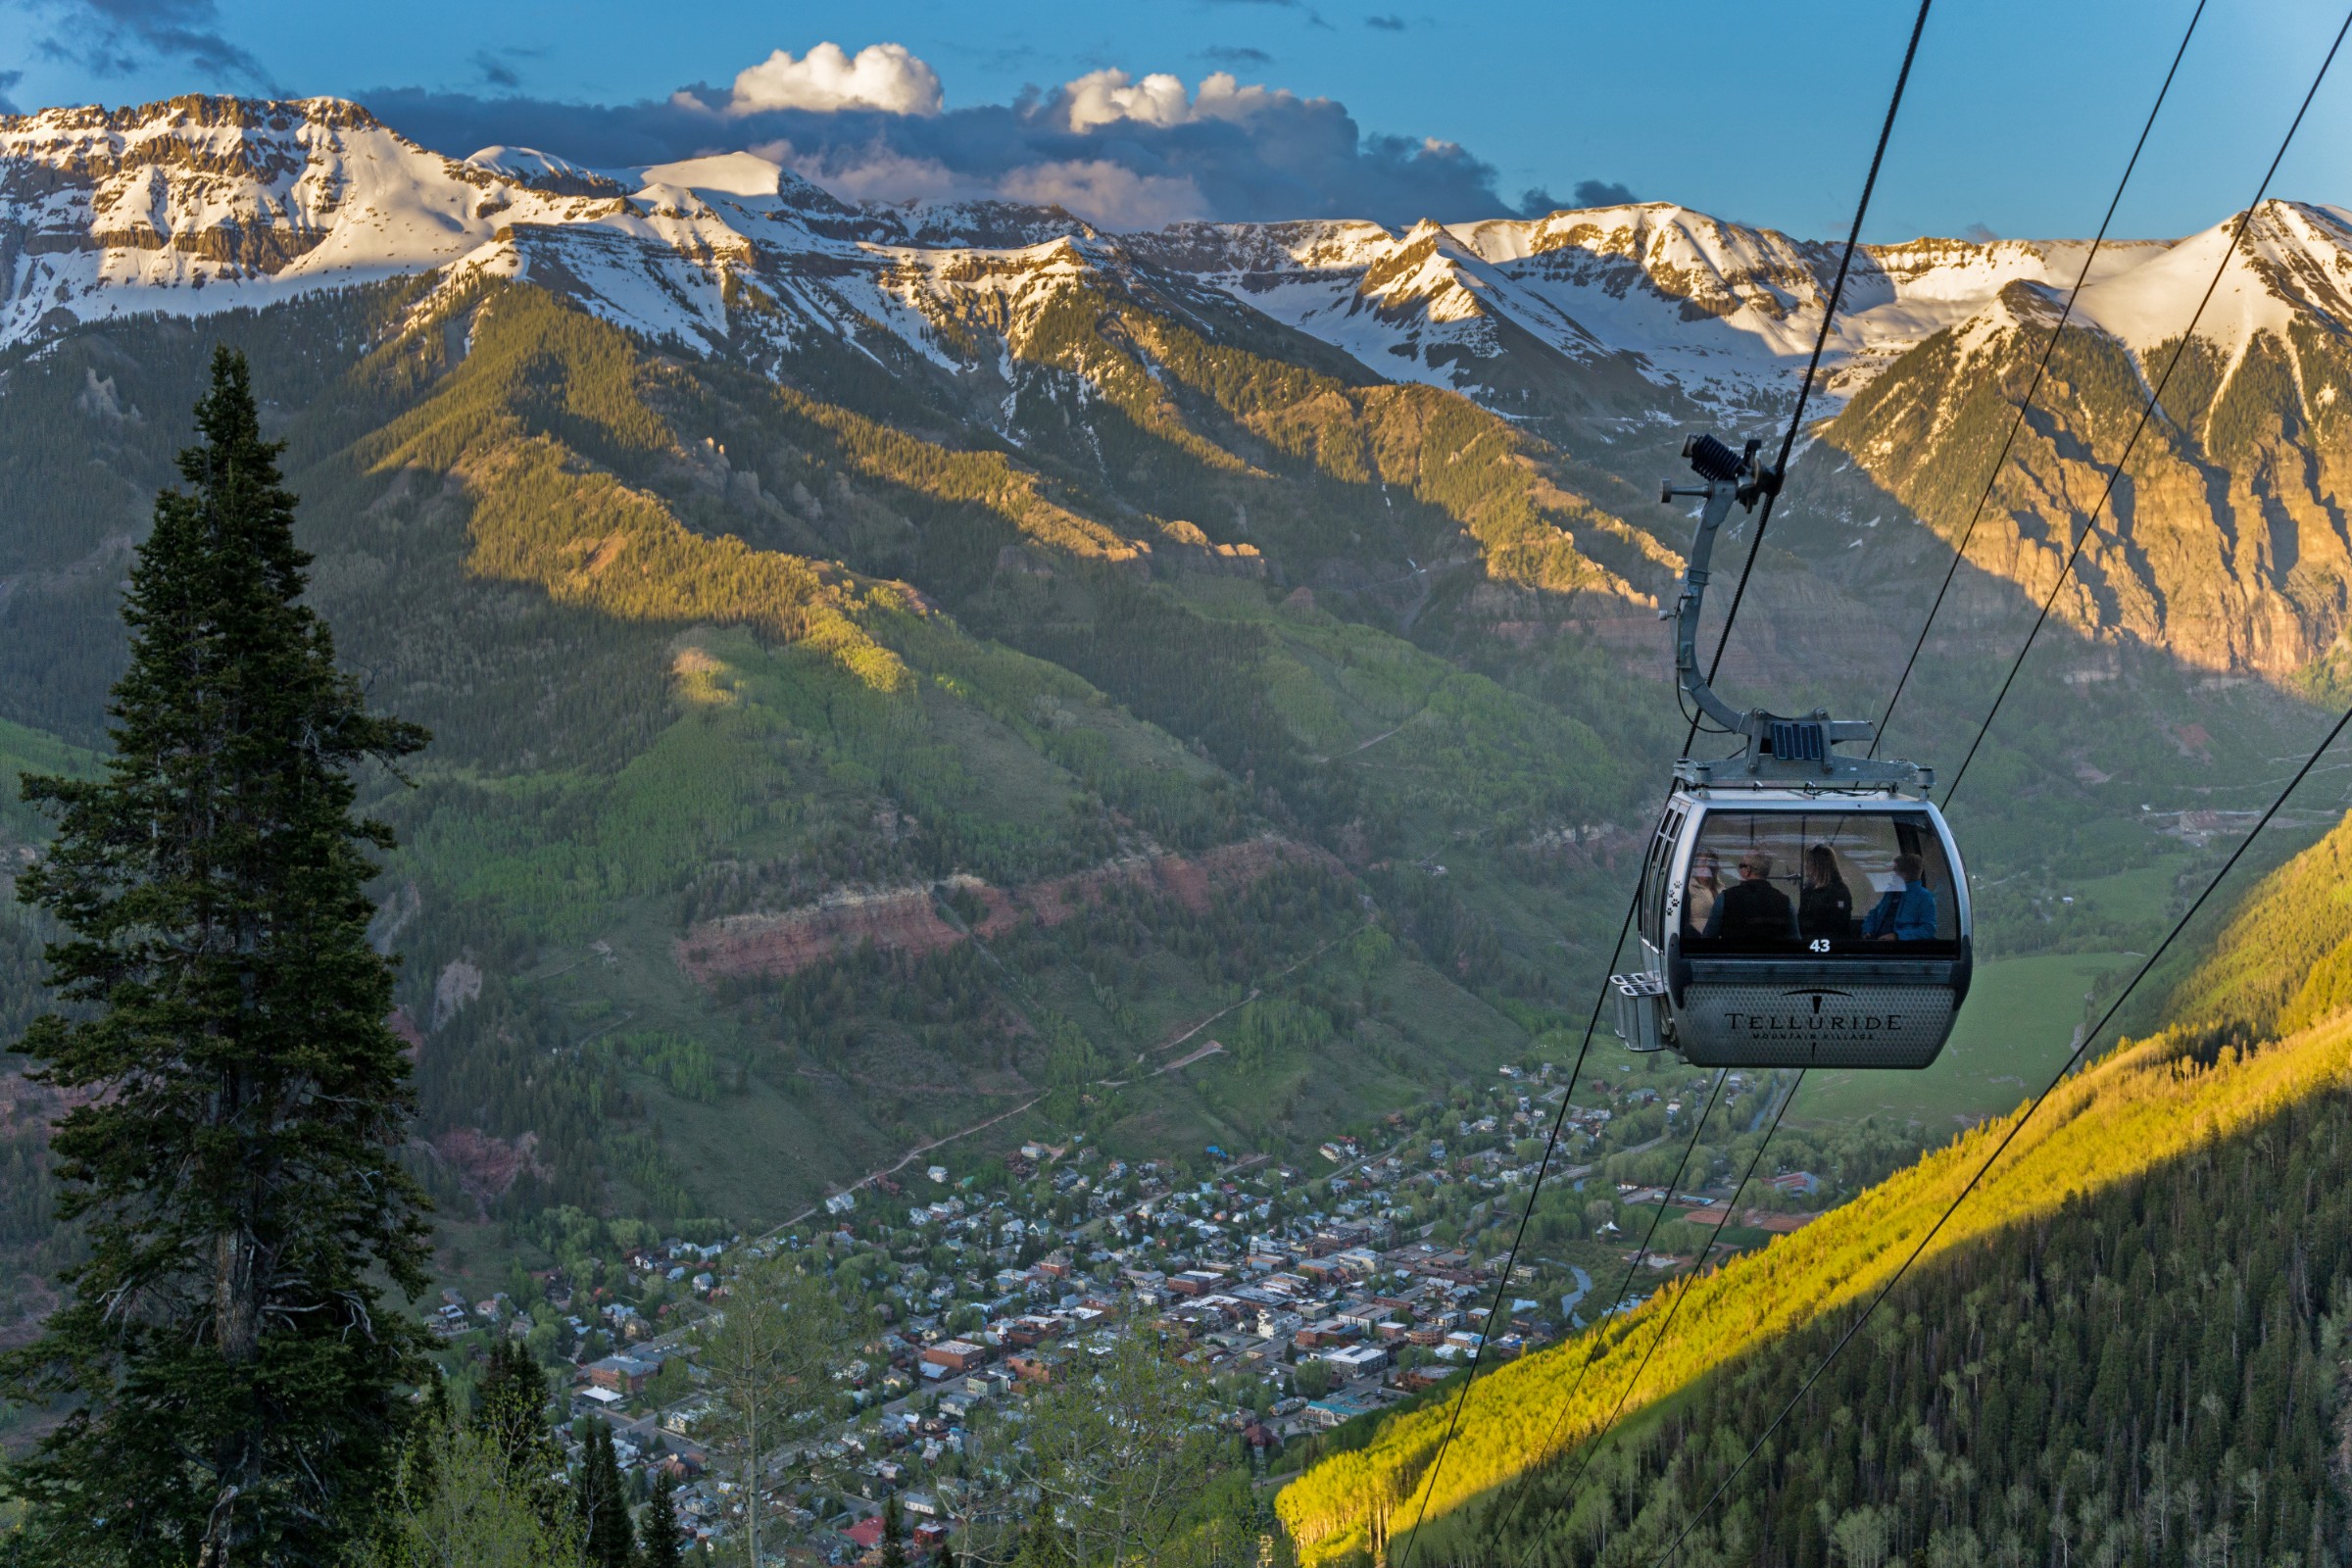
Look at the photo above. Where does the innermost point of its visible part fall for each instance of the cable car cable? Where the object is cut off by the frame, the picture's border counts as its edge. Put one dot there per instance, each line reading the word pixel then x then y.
pixel 1804 388
pixel 1820 340
pixel 1511 1258
pixel 2300 774
pixel 2155 397
pixel 2064 1072
pixel 1601 1432
pixel 2007 443
pixel 1895 697
pixel 1640 1254
pixel 2033 388
pixel 1853 241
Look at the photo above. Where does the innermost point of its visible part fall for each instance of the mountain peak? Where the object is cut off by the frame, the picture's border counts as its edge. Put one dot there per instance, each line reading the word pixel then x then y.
pixel 544 172
pixel 201 203
pixel 728 174
pixel 198 110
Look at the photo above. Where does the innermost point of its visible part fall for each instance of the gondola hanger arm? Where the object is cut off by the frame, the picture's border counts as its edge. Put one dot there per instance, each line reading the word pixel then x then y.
pixel 1785 748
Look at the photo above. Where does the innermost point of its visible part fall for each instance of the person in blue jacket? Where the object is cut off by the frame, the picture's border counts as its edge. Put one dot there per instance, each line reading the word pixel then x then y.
pixel 1908 915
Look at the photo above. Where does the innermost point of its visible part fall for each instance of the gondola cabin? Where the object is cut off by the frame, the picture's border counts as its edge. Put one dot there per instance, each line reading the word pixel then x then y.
pixel 1792 928
pixel 1799 906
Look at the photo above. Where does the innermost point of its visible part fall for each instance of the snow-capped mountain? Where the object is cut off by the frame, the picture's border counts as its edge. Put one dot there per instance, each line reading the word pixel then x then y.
pixel 201 204
pixel 2225 540
pixel 207 203
pixel 1615 317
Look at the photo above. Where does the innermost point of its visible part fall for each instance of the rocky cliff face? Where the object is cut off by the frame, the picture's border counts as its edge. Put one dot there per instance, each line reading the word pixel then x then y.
pixel 2225 540
pixel 201 204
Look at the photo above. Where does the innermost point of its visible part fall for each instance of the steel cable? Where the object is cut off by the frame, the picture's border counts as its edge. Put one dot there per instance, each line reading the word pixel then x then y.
pixel 2155 397
pixel 2001 697
pixel 1820 340
pixel 1853 241
pixel 2033 388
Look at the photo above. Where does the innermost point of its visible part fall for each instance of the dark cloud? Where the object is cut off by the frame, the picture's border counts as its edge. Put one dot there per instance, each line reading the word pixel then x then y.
pixel 1603 193
pixel 1385 24
pixel 8 80
pixel 1260 155
pixel 1237 55
pixel 1537 202
pixel 1976 231
pixel 502 67
pixel 112 37
pixel 496 72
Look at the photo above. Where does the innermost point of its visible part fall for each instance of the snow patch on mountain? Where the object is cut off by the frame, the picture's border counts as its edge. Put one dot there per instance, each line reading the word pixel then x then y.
pixel 203 204
pixel 2292 260
pixel 730 174
pixel 528 166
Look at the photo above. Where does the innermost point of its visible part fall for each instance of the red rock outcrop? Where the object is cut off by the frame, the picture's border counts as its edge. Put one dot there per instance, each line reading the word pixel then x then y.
pixel 908 919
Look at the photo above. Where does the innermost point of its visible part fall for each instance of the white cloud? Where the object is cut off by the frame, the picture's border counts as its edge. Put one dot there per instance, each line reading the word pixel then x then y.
pixel 1103 193
pixel 1221 97
pixel 827 78
pixel 1105 97
pixel 1121 151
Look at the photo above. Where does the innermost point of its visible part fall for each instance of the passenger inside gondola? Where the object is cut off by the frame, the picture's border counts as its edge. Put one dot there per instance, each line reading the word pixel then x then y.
pixel 1705 887
pixel 1817 882
pixel 1908 912
pixel 1753 913
pixel 1825 907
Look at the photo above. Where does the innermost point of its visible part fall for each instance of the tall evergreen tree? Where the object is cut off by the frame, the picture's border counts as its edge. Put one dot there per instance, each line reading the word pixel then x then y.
pixel 894 1533
pixel 660 1534
pixel 510 1410
pixel 227 1348
pixel 604 1509
pixel 428 1431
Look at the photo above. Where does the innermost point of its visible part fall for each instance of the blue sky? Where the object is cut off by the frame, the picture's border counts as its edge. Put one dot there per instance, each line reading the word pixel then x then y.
pixel 2019 118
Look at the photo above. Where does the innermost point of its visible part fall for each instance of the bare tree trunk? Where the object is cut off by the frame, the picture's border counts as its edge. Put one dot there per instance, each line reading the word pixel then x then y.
pixel 236 1307
pixel 751 1487
pixel 213 1554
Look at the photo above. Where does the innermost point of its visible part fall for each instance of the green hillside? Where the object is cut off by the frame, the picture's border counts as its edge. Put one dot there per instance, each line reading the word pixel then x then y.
pixel 835 750
pixel 664 701
pixel 2153 1373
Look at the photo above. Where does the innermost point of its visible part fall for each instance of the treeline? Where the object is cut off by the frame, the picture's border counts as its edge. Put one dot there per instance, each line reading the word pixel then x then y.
pixel 2155 1374
pixel 2280 961
pixel 1208 423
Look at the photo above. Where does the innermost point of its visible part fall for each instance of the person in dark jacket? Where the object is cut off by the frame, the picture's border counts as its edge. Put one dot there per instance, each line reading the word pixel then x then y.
pixel 1826 905
pixel 1908 914
pixel 1753 913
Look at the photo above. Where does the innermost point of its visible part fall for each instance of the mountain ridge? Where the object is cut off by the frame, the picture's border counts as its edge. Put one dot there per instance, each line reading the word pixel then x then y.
pixel 1703 269
pixel 1599 330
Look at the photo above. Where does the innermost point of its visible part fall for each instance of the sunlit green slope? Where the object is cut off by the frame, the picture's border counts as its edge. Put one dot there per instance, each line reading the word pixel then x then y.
pixel 2140 1108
